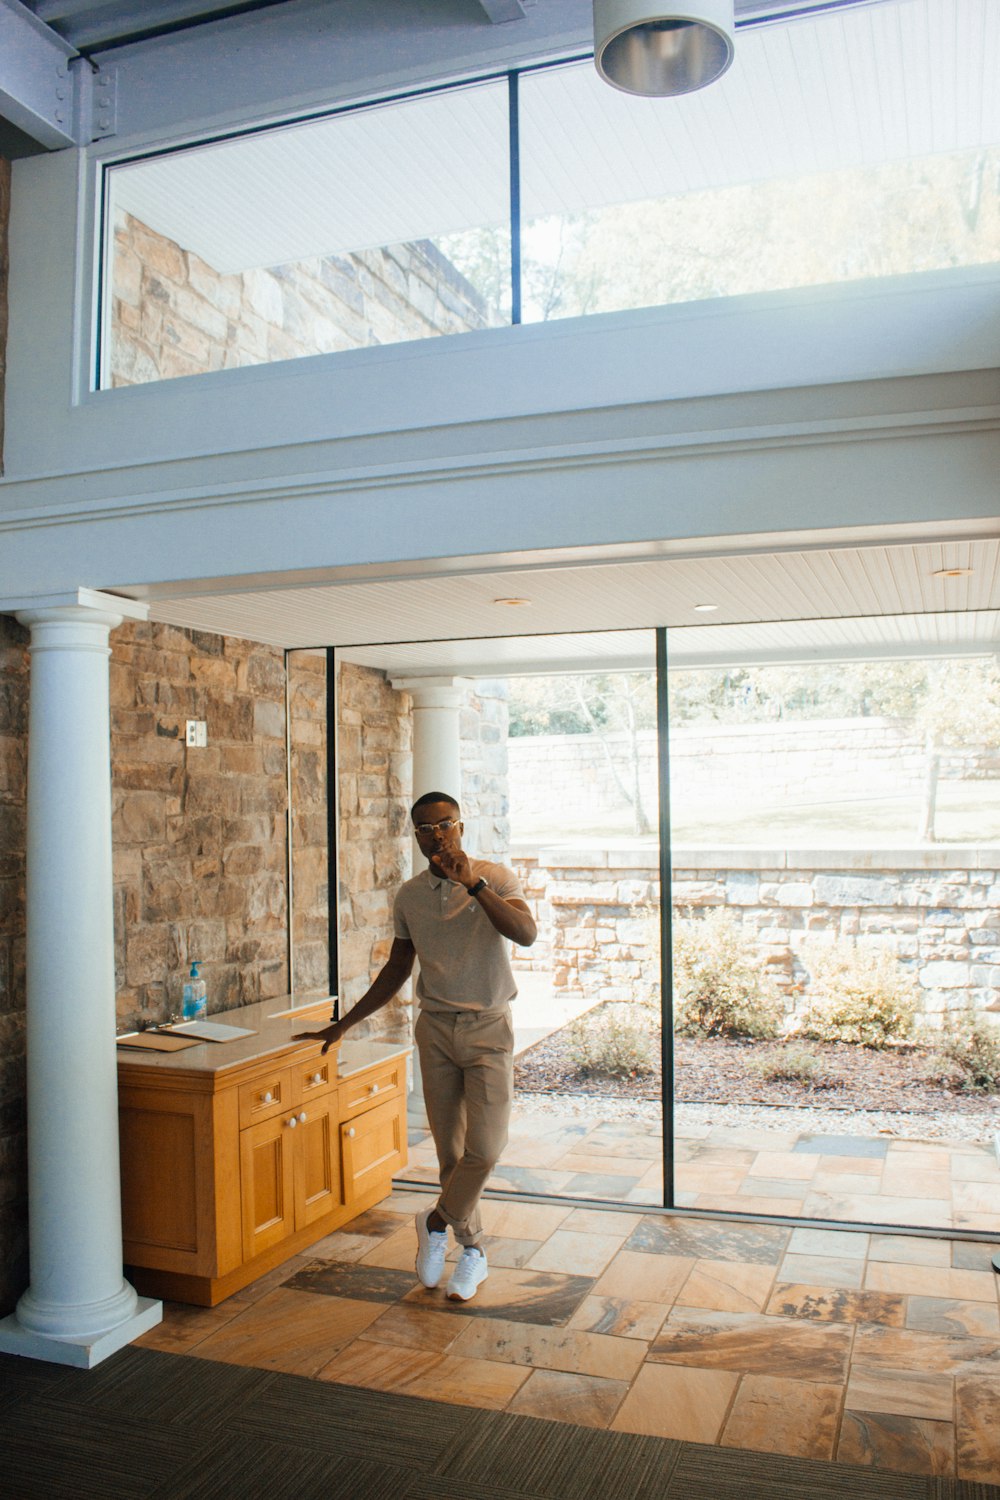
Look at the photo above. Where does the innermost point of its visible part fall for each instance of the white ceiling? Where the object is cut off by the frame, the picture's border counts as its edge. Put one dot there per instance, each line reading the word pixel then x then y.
pixel 823 603
pixel 848 88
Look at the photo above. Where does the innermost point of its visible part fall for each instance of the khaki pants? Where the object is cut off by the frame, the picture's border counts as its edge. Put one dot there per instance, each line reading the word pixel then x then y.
pixel 467 1063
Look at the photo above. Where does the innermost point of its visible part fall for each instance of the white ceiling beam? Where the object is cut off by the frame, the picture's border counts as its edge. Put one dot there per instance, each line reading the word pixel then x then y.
pixel 37 86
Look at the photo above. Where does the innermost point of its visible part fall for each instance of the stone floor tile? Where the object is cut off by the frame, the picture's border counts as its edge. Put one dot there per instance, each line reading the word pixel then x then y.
pixel 931 1281
pixel 754 1343
pixel 292 1331
pixel 623 1317
pixel 901 1393
pixel 772 1414
pixel 904 1445
pixel 977 1427
pixel 689 1404
pixel 951 1315
pixel 822 1270
pixel 909 1249
pixel 522 1221
pixel 584 1254
pixel 837 1305
pixel 555 1396
pixel 436 1377
pixel 412 1327
pixel 785 1164
pixel 565 1349
pixel 727 1285
pixel 842 1244
pixel 599 1221
pixel 650 1278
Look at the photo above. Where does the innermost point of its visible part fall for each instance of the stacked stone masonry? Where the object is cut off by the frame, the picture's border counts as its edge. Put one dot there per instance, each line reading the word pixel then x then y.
pixel 309 897
pixel 199 834
pixel 13 832
pixel 173 314
pixel 937 910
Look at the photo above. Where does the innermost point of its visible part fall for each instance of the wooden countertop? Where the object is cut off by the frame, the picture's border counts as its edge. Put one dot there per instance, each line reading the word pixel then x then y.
pixel 275 1023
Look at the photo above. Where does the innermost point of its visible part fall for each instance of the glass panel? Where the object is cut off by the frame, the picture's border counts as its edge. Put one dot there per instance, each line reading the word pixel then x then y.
pixel 836 855
pixel 371 227
pixel 828 153
pixel 556 742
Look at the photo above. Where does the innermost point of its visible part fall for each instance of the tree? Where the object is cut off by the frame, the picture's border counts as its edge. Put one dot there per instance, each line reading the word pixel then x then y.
pixel 961 710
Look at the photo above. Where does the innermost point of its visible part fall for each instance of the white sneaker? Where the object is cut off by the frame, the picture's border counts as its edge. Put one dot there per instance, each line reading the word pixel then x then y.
pixel 432 1247
pixel 470 1272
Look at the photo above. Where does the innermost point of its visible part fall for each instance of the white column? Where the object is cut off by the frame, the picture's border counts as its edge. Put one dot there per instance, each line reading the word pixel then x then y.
pixel 78 1308
pixel 437 767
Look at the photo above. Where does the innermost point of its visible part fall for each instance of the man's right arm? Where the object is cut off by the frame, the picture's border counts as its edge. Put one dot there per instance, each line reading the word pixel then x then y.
pixel 388 982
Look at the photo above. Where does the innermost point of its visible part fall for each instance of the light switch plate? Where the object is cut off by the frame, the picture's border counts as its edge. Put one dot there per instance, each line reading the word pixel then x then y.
pixel 197 733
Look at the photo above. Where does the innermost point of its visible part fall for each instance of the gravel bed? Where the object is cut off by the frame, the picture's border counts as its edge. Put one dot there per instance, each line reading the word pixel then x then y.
pixel 917 1127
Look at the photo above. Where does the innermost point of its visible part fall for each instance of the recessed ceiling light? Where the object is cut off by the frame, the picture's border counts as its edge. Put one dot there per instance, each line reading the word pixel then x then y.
pixel 513 603
pixel 705 609
pixel 951 572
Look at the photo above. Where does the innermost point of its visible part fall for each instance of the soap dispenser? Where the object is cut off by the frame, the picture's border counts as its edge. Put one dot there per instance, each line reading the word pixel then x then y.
pixel 195 1005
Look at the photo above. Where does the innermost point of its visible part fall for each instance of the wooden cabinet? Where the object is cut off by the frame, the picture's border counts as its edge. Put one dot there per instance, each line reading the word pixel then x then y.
pixel 228 1171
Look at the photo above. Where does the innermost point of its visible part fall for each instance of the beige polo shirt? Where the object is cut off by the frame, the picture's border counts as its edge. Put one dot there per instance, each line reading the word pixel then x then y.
pixel 464 961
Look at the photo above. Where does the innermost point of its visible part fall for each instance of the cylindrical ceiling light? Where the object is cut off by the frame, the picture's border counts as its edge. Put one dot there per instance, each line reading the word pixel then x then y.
pixel 641 50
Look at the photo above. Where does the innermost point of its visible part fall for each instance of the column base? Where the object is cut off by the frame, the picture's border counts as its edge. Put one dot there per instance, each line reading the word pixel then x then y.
pixel 86 1351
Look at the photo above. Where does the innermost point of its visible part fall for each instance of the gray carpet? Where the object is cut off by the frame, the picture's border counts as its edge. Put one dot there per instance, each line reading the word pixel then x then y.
pixel 169 1427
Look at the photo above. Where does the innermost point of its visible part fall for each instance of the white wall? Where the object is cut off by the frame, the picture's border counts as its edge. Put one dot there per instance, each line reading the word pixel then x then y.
pixel 781 413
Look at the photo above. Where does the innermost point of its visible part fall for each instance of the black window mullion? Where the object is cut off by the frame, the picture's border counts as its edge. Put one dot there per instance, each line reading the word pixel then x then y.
pixel 666 919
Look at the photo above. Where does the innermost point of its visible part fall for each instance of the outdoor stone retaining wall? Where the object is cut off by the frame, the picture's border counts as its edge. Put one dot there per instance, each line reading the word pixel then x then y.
pixel 938 910
pixel 558 779
pixel 172 314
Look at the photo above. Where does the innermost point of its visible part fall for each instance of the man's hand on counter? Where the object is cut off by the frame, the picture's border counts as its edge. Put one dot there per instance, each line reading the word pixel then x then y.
pixel 329 1036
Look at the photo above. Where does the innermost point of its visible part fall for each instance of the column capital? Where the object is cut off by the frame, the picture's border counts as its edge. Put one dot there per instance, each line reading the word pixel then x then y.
pixel 433 692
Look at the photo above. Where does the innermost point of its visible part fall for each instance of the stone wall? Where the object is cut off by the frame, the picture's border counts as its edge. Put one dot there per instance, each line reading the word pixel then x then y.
pixel 484 796
pixel 310 906
pixel 374 768
pixel 199 835
pixel 937 910
pixel 556 778
pixel 4 218
pixel 13 1128
pixel 172 314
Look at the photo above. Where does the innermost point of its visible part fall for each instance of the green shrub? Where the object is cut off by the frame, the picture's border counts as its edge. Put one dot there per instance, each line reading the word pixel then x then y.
pixel 792 1064
pixel 858 995
pixel 720 988
pixel 968 1055
pixel 615 1040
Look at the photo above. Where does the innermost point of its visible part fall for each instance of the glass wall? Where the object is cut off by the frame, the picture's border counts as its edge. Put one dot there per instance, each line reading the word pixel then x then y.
pixel 836 835
pixel 806 164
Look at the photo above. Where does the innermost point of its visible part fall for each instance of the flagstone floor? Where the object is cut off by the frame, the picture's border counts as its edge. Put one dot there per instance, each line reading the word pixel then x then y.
pixel 865 1348
pixel 802 1170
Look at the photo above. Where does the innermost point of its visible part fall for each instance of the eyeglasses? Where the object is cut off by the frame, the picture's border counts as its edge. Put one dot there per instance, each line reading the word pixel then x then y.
pixel 445 825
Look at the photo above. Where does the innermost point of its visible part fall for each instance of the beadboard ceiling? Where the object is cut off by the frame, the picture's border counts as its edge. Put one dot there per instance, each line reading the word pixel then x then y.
pixel 819 604
pixel 844 88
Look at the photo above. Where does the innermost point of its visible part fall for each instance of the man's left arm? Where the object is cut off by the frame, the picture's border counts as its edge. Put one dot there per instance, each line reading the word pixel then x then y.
pixel 508 914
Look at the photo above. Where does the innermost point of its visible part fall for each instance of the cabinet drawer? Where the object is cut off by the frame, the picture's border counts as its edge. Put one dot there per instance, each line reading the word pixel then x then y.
pixel 315 1077
pixel 266 1096
pixel 371 1087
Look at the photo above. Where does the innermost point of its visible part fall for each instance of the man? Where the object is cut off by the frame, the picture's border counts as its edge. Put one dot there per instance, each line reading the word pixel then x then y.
pixel 457 917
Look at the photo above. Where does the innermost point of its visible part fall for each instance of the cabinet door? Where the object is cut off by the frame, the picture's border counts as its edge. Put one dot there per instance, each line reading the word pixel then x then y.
pixel 266 1183
pixel 374 1148
pixel 317 1161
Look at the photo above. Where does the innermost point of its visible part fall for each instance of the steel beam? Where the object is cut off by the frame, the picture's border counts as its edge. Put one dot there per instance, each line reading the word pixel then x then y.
pixel 37 86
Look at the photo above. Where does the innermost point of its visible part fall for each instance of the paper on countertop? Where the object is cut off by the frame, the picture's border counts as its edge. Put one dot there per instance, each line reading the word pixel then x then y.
pixel 206 1031
pixel 156 1041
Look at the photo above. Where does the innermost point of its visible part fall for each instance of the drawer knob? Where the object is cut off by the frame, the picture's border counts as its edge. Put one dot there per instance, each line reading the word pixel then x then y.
pixel 267 1098
pixel 317 1078
pixel 292 1123
pixel 302 1117
pixel 373 1089
pixel 351 1132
